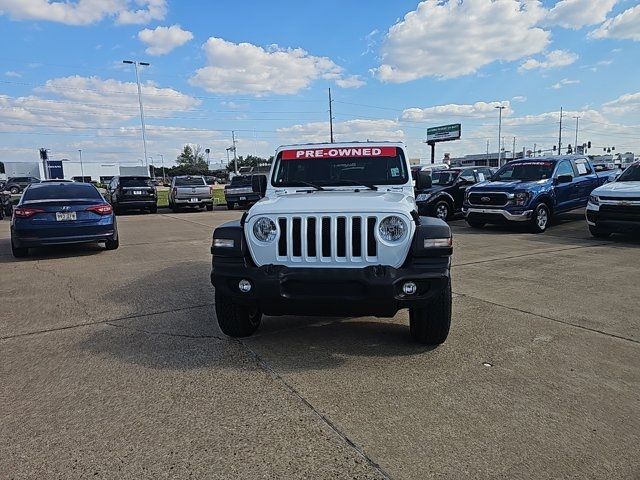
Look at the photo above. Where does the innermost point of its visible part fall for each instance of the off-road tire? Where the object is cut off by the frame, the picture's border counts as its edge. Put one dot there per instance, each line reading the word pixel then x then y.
pixel 430 324
pixel 19 252
pixel 236 320
pixel 540 218
pixel 14 190
pixel 475 223
pixel 598 232
pixel 230 205
pixel 112 244
pixel 209 208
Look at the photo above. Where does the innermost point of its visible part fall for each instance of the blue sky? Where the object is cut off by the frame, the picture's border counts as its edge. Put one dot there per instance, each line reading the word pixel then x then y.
pixel 263 70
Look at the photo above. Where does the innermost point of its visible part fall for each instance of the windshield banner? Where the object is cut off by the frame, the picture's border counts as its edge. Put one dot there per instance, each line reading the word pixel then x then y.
pixel 350 152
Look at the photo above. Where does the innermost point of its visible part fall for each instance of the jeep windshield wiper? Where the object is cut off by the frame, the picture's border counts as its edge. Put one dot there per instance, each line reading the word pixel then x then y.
pixel 356 183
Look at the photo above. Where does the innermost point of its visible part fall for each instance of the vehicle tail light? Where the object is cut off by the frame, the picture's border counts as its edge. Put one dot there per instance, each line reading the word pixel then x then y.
pixel 24 212
pixel 102 209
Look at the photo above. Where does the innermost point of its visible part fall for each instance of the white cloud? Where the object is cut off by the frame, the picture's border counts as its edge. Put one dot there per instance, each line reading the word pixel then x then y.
pixel 625 26
pixel 563 83
pixel 450 39
pixel 352 81
pixel 553 59
pixel 628 103
pixel 12 74
pixel 162 40
pixel 350 130
pixel 247 68
pixel 455 111
pixel 576 14
pixel 519 99
pixel 85 12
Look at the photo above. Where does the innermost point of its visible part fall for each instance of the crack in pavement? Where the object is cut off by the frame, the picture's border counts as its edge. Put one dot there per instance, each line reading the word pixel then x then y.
pixel 263 364
pixel 68 284
pixel 166 334
pixel 563 322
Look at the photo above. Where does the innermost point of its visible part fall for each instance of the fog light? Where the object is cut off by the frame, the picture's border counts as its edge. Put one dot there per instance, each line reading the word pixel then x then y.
pixel 409 288
pixel 244 286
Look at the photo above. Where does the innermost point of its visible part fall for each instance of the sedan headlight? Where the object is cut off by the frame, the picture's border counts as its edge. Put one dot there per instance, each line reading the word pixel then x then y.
pixel 594 199
pixel 264 229
pixel 392 229
pixel 423 197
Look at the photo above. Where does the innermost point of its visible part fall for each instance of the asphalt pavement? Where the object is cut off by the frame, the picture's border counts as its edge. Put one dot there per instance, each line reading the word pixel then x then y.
pixel 112 366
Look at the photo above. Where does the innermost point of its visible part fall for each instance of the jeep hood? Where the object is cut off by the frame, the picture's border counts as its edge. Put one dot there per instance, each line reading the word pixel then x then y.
pixel 335 202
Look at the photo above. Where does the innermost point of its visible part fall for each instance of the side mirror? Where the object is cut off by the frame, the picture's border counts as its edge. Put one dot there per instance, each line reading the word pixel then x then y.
pixel 423 181
pixel 564 179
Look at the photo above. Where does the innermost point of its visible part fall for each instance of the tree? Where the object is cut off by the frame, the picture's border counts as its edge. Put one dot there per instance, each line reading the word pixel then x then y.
pixel 192 156
pixel 250 161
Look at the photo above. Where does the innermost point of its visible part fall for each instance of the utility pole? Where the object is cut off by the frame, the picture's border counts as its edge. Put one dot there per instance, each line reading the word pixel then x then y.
pixel 330 115
pixel 235 157
pixel 513 152
pixel 487 153
pixel 164 177
pixel 535 147
pixel 500 135
pixel 576 144
pixel 560 135
pixel 81 167
pixel 144 133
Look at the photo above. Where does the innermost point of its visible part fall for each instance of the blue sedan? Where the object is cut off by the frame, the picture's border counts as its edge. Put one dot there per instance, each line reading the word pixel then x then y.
pixel 62 213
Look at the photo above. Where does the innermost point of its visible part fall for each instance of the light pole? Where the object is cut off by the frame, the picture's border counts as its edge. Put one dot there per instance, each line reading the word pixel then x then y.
pixel 500 108
pixel 575 145
pixel 164 178
pixel 144 133
pixel 81 167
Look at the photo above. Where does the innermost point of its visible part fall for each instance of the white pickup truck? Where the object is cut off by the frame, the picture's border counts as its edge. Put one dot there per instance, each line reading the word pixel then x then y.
pixel 615 206
pixel 338 233
pixel 190 191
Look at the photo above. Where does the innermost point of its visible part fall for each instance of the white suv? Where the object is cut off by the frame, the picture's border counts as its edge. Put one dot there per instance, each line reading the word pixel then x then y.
pixel 337 233
pixel 615 206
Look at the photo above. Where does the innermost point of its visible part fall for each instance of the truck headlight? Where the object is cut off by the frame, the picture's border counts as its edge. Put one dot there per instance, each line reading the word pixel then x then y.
pixel 594 199
pixel 392 229
pixel 264 229
pixel 423 197
pixel 521 198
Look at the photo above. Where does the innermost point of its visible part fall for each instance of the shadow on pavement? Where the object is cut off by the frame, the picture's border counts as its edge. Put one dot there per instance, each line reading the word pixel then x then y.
pixel 48 253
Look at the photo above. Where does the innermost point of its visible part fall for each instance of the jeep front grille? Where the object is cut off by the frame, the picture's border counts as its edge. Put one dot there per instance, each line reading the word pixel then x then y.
pixel 346 238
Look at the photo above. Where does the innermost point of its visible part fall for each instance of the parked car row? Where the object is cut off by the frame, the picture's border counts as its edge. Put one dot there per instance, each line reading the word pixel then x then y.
pixel 532 192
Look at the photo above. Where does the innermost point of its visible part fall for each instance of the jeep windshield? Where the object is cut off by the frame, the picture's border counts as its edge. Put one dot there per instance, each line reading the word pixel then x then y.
pixel 525 172
pixel 444 177
pixel 360 166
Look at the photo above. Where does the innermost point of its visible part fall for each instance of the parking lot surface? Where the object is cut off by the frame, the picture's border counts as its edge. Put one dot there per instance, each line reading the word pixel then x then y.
pixel 112 366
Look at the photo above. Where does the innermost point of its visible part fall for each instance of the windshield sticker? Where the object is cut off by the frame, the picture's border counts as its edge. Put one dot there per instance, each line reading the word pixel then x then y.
pixel 582 169
pixel 536 164
pixel 481 176
pixel 395 172
pixel 352 152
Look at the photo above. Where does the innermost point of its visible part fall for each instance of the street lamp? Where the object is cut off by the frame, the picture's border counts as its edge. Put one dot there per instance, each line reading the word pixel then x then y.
pixel 81 167
pixel 500 108
pixel 144 133
pixel 164 178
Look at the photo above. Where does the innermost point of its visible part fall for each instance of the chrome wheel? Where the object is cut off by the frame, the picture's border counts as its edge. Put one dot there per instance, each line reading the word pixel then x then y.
pixel 442 211
pixel 542 218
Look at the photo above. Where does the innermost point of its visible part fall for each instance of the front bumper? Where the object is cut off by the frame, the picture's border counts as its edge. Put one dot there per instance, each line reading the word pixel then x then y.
pixel 187 201
pixel 373 290
pixel 137 203
pixel 615 222
pixel 497 215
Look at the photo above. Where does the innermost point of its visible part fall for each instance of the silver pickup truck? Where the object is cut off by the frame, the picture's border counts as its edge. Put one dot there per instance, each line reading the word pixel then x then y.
pixel 190 191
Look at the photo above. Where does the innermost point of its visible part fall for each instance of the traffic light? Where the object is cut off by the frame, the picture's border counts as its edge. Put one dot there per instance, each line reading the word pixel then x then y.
pixel 43 154
pixel 589 144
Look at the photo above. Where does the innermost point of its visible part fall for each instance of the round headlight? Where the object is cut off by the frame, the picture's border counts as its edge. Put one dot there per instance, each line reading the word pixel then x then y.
pixel 423 197
pixel 264 229
pixel 392 229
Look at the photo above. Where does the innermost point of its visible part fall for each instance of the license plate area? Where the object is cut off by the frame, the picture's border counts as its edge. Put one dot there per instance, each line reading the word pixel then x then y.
pixel 243 198
pixel 65 216
pixel 193 200
pixel 137 192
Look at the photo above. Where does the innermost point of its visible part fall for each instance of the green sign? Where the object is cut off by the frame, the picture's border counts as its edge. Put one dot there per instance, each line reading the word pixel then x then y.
pixel 444 133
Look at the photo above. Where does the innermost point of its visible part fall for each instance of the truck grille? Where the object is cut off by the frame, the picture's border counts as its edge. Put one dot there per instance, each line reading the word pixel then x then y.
pixel 620 212
pixel 348 238
pixel 490 199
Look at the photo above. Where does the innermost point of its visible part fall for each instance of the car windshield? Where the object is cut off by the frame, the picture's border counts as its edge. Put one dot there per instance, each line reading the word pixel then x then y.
pixel 240 181
pixel 525 171
pixel 444 177
pixel 631 174
pixel 60 191
pixel 190 182
pixel 136 182
pixel 340 166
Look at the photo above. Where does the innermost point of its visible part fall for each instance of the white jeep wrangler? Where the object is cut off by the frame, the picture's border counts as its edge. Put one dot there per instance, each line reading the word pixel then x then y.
pixel 337 233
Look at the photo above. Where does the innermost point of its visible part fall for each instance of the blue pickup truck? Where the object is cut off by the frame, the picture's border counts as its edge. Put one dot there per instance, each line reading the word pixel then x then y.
pixel 531 191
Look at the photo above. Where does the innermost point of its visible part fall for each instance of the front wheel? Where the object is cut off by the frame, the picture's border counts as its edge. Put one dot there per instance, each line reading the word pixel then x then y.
pixel 598 233
pixel 540 219
pixel 236 320
pixel 442 210
pixel 430 324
